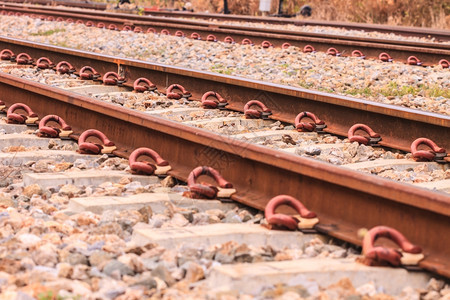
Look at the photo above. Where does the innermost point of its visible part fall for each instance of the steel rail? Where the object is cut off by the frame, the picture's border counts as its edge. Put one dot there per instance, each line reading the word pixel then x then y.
pixel 428 53
pixel 398 126
pixel 442 35
pixel 439 34
pixel 80 4
pixel 345 200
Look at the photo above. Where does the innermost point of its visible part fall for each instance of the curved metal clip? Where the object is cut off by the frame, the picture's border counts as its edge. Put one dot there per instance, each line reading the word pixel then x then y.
pixel 144 167
pixel 409 255
pixel 201 190
pixel 306 220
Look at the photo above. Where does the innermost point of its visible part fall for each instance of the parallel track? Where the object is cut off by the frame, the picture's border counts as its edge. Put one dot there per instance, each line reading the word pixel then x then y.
pixel 357 200
pixel 442 35
pixel 427 53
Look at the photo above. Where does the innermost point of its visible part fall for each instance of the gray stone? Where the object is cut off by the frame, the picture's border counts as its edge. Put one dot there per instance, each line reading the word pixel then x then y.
pixel 114 265
pixel 232 217
pixel 312 150
pixel 363 153
pixel 169 181
pixel 188 214
pixel 147 281
pixel 150 263
pixel 102 159
pixel 98 258
pixel 163 273
pixel 76 258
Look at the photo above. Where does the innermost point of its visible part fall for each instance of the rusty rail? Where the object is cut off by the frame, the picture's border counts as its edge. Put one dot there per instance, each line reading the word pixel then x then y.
pixel 398 126
pixel 440 35
pixel 80 4
pixel 345 200
pixel 428 53
pixel 356 200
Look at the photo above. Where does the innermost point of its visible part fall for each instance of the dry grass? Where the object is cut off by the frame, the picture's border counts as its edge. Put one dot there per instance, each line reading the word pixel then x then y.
pixel 422 13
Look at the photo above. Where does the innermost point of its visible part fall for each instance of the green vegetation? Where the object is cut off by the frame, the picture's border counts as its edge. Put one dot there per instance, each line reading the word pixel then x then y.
pixel 221 69
pixel 392 89
pixel 48 32
pixel 49 296
pixel 366 91
pixel 63 44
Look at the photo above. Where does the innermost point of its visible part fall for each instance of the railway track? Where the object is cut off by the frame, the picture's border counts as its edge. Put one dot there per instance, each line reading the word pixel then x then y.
pixel 412 52
pixel 402 30
pixel 270 133
pixel 137 236
pixel 261 157
pixel 376 200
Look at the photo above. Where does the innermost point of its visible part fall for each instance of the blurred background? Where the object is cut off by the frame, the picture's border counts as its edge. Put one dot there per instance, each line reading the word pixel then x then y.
pixel 422 13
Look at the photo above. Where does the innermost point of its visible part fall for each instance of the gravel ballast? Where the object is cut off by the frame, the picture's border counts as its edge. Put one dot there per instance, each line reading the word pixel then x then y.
pixel 423 88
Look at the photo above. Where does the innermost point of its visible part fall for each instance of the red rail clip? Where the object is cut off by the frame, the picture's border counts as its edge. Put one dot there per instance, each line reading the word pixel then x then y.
pixel 385 57
pixel 112 78
pixel 309 49
pixel 112 27
pixel 89 73
pixel 247 42
pixel 211 38
pixel 177 95
pixel 202 190
pixel 65 67
pixel 6 54
pixel 219 102
pixel 24 59
pixel 90 148
pixel 306 220
pixel 333 51
pixel 145 167
pixel 256 114
pixel 14 118
pixel 382 255
pixel 412 60
pixel 229 40
pixel 285 45
pixel 179 33
pixel 357 53
pixel 266 44
pixel 372 139
pixel 142 84
pixel 317 124
pixel 53 132
pixel 44 63
pixel 165 32
pixel 196 36
pixel 436 153
pixel 444 63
